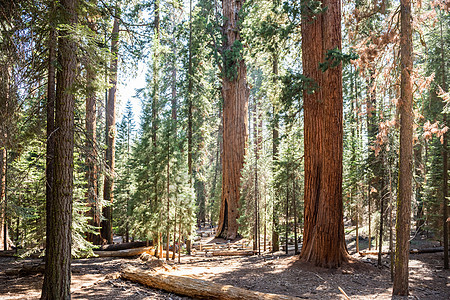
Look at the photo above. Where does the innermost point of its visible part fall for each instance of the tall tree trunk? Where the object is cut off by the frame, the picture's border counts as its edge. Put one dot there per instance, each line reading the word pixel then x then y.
pixel 190 84
pixel 3 199
pixel 51 96
pixel 372 160
pixel 406 155
pixel 324 240
pixel 256 191
pixel 91 155
pixel 155 101
pixel 444 159
pixel 418 169
pixel 381 194
pixel 108 188
pixel 286 231
pixel 294 212
pixel 275 134
pixel 235 95
pixel 57 274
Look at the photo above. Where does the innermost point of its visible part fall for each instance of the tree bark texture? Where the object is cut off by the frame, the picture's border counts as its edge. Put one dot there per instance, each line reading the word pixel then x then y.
pixel 406 155
pixel 235 122
pixel 58 255
pixel 195 288
pixel 324 241
pixel 51 96
pixel 106 229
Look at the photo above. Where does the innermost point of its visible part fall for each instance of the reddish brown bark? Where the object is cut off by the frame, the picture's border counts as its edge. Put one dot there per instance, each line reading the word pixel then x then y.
pixel 324 243
pixel 406 155
pixel 59 239
pixel 235 96
pixel 106 230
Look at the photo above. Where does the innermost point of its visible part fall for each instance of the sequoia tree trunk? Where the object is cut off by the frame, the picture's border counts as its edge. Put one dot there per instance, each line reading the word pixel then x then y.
pixel 324 241
pixel 106 230
pixel 59 239
pixel 406 155
pixel 235 120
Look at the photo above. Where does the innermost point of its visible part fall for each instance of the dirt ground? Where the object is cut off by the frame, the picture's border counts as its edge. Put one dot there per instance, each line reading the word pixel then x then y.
pixel 98 278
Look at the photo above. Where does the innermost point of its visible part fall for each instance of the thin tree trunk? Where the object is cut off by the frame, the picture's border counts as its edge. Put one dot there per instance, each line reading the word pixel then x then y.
pixel 168 200
pixel 369 200
pixel 391 226
pixel 444 159
pixel 91 155
pixel 286 232
pixel 235 95
pixel 108 188
pixel 180 238
pixel 190 84
pixel 155 100
pixel 380 234
pixel 406 155
pixel 174 251
pixel 255 136
pixel 57 275
pixel 3 197
pixel 324 239
pixel 294 205
pixel 275 134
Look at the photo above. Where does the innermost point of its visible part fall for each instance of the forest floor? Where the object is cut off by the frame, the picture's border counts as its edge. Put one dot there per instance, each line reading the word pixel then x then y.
pixel 98 278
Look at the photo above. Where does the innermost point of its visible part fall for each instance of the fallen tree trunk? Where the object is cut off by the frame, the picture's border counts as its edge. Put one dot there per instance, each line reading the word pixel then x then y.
pixel 7 253
pixel 126 253
pixel 196 288
pixel 232 253
pixel 123 246
pixel 412 251
pixel 26 269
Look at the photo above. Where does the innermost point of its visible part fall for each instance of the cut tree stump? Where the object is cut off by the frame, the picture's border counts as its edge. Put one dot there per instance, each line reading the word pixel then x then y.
pixel 126 253
pixel 196 288
pixel 123 246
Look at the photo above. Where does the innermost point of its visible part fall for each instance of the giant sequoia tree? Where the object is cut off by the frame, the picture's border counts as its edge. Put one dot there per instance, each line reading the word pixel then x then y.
pixel 59 210
pixel 235 96
pixel 324 242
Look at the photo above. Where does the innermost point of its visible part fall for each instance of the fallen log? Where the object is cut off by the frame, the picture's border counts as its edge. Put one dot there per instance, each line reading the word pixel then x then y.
pixel 125 253
pixel 232 253
pixel 7 253
pixel 412 251
pixel 195 288
pixel 123 246
pixel 26 269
